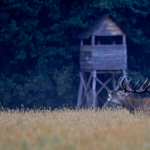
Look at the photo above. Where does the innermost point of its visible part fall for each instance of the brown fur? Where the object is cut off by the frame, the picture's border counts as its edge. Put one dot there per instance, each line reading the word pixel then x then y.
pixel 128 101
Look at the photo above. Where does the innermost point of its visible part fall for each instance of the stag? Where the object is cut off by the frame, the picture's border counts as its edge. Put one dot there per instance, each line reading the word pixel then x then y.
pixel 124 99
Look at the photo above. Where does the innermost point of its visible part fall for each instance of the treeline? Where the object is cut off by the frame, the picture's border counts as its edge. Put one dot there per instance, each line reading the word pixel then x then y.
pixel 39 54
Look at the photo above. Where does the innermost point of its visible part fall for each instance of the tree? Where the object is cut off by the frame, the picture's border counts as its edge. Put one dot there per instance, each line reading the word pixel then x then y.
pixel 39 57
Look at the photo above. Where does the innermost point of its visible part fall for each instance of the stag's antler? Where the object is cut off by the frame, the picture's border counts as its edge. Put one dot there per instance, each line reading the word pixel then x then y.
pixel 127 88
pixel 121 83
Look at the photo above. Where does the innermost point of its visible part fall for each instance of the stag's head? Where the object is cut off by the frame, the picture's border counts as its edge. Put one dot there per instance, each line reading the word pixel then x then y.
pixel 120 97
pixel 117 96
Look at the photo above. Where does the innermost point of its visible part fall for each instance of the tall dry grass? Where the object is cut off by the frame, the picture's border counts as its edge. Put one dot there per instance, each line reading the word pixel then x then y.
pixel 67 129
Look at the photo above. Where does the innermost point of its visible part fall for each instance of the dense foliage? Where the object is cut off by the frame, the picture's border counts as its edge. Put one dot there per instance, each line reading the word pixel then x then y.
pixel 39 54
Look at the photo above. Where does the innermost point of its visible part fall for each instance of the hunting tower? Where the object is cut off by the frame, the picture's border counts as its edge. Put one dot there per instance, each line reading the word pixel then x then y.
pixel 103 50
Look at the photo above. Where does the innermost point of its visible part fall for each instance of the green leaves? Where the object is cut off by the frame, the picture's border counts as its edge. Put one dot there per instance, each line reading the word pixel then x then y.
pixel 39 54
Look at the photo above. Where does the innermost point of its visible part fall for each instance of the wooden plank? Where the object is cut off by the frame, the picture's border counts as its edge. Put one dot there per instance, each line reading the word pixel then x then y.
pixel 106 24
pixel 108 27
pixel 108 60
pixel 86 50
pixel 110 63
pixel 86 53
pixel 108 47
pixel 103 47
pixel 105 65
pixel 86 59
pixel 104 68
pixel 103 59
pixel 86 67
pixel 108 33
pixel 106 57
pixel 86 62
pixel 101 55
pixel 110 67
pixel 102 65
pixel 109 52
pixel 95 53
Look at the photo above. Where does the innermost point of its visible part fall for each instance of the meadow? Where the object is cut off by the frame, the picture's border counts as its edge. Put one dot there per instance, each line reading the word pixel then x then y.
pixel 68 129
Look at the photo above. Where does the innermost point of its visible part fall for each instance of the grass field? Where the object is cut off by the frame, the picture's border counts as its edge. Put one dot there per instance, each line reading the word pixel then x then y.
pixel 67 129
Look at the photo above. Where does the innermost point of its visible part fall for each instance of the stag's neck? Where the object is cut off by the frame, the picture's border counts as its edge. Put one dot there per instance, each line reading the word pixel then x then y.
pixel 117 101
pixel 132 103
pixel 128 103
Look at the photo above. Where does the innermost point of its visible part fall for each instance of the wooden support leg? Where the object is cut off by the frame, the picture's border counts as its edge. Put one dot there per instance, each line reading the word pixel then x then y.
pixel 85 88
pixel 88 86
pixel 94 89
pixel 113 81
pixel 79 100
pixel 82 80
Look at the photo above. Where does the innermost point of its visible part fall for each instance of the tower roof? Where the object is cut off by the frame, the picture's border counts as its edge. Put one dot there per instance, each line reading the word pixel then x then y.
pixel 98 24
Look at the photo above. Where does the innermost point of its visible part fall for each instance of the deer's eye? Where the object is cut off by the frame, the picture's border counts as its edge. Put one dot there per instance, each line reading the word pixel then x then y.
pixel 119 93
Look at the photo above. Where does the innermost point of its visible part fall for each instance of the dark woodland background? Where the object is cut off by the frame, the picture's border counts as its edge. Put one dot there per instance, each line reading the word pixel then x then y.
pixel 39 54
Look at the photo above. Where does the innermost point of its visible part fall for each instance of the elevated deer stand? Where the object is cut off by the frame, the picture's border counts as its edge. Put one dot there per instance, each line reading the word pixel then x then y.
pixel 103 50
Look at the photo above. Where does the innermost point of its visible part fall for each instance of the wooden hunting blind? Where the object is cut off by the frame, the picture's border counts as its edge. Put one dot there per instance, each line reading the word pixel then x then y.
pixel 103 50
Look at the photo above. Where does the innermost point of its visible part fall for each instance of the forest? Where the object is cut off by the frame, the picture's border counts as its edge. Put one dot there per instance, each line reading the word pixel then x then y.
pixel 39 51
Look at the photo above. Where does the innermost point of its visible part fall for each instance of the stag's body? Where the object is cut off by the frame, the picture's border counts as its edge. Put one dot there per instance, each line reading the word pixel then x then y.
pixel 125 100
